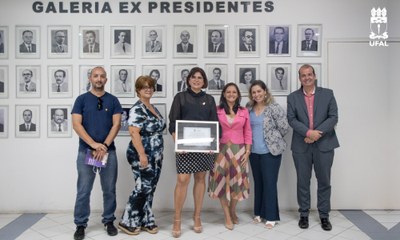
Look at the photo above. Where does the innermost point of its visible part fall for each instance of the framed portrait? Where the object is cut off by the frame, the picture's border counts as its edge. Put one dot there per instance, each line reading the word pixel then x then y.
pixel 278 77
pixel 91 42
pixel 59 42
pixel 217 75
pixel 154 41
pixel 185 41
pixel 246 74
pixel 318 74
pixel 197 136
pixel 60 81
pixel 3 121
pixel 3 81
pixel 28 81
pixel 122 80
pixel 124 130
pixel 59 123
pixel 27 121
pixel 84 74
pixel 278 40
pixel 27 41
pixel 309 40
pixel 216 41
pixel 122 42
pixel 162 108
pixel 159 74
pixel 247 41
pixel 4 42
pixel 181 72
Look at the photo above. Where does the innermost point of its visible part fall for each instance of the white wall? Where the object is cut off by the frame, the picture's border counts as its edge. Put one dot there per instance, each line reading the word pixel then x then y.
pixel 39 175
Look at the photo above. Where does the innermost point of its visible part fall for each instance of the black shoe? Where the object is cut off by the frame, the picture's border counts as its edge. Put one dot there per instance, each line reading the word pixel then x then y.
pixel 326 224
pixel 151 229
pixel 303 222
pixel 111 229
pixel 129 230
pixel 79 233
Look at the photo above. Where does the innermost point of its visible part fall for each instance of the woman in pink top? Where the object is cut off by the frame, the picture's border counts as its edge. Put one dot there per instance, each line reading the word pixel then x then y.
pixel 228 179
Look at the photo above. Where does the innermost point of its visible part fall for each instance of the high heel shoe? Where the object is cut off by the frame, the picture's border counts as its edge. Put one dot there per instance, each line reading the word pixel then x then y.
pixel 176 233
pixel 197 229
pixel 229 226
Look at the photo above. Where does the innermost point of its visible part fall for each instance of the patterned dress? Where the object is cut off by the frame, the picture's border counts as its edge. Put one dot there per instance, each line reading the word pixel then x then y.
pixel 138 212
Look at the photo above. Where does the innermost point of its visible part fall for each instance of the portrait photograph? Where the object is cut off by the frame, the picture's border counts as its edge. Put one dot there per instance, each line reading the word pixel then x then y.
pixel 217 75
pixel 91 42
pixel 159 74
pixel 59 42
pixel 278 40
pixel 154 41
pixel 124 130
pixel 60 79
pixel 59 124
pixel 318 74
pixel 27 121
pixel 4 42
pixel 278 78
pixel 185 41
pixel 28 81
pixel 3 121
pixel 216 41
pixel 84 74
pixel 162 108
pixel 309 40
pixel 246 74
pixel 181 72
pixel 3 81
pixel 247 41
pixel 122 42
pixel 122 80
pixel 27 41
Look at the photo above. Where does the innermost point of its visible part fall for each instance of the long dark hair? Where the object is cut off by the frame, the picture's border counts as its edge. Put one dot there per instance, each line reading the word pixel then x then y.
pixel 222 101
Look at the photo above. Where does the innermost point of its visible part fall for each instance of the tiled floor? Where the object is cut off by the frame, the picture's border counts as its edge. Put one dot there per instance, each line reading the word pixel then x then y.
pixel 60 226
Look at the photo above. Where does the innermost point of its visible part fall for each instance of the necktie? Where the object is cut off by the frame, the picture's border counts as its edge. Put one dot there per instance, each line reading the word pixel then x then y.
pixel 29 48
pixel 307 45
pixel 123 47
pixel 219 85
pixel 58 88
pixel 60 48
pixel 183 86
pixel 250 48
pixel 26 87
pixel 280 83
pixel 277 47
pixel 185 48
pixel 28 127
pixel 59 127
pixel 90 49
pixel 152 45
pixel 215 48
pixel 124 87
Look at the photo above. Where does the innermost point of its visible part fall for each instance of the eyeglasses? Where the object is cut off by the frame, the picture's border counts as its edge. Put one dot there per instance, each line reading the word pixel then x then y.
pixel 99 103
pixel 249 36
pixel 148 88
pixel 26 74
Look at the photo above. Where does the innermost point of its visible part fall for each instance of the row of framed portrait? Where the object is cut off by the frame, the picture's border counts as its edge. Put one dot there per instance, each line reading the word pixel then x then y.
pixel 122 79
pixel 154 41
pixel 58 120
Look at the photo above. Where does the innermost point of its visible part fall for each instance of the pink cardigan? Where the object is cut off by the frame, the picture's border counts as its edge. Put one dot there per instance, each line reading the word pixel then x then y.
pixel 240 131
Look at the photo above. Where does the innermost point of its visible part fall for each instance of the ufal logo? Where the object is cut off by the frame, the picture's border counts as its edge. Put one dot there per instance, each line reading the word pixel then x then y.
pixel 378 26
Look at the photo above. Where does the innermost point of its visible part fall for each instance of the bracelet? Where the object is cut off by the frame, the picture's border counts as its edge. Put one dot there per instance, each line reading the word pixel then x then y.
pixel 105 144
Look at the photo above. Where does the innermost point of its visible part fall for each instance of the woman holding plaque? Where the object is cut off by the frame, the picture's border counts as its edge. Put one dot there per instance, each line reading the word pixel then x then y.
pixel 145 154
pixel 192 104
pixel 228 179
pixel 269 124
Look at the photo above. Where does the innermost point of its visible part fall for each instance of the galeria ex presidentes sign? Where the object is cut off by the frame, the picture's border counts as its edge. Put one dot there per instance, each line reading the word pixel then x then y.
pixel 154 6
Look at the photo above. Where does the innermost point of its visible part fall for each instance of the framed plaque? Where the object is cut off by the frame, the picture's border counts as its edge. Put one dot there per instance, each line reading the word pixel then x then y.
pixel 197 136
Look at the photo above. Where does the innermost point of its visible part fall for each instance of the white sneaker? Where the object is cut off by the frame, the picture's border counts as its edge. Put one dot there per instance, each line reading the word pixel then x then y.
pixel 257 219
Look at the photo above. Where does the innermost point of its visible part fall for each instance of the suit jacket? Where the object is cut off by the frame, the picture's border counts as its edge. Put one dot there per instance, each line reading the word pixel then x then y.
pixel 63 87
pixel 285 47
pixel 314 45
pixel 180 85
pixel 96 48
pixel 1 127
pixel 158 87
pixel 1 48
pixel 179 48
pixel 221 47
pixel 56 49
pixel 212 84
pixel 118 88
pixel 325 119
pixel 156 48
pixel 120 51
pixel 1 87
pixel 54 126
pixel 243 47
pixel 22 128
pixel 24 49
pixel 31 87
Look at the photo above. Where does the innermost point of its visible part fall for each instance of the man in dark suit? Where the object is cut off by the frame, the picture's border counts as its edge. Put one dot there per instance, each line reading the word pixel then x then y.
pixel 60 85
pixel 312 112
pixel 278 44
pixel 28 125
pixel 1 87
pixel 27 46
pixel 153 45
pixel 247 44
pixel 184 46
pixel 309 44
pixel 216 42
pixel 182 83
pixel 59 45
pixel 216 82
pixel 91 45
pixel 27 85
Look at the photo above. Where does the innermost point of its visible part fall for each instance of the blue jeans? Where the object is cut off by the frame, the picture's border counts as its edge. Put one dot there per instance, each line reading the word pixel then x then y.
pixel 86 176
